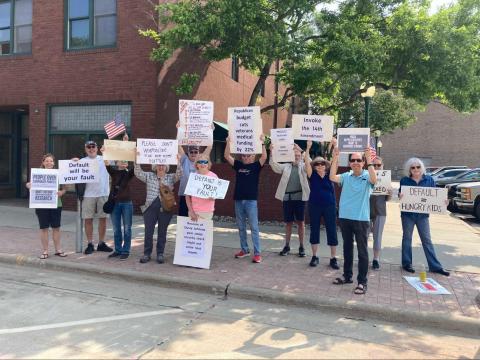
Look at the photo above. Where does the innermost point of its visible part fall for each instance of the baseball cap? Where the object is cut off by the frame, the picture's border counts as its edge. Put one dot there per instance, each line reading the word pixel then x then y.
pixel 91 142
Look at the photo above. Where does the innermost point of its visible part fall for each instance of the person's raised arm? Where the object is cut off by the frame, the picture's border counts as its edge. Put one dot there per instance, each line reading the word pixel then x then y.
pixel 276 167
pixel 226 153
pixel 371 171
pixel 307 160
pixel 334 166
pixel 263 157
pixel 139 173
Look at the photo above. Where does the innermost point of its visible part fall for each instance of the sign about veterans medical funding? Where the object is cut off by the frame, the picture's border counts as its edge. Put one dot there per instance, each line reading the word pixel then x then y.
pixel 384 182
pixel 425 200
pixel 282 141
pixel 43 189
pixel 119 150
pixel 245 128
pixel 206 187
pixel 350 140
pixel 312 127
pixel 194 242
pixel 157 151
pixel 78 172
pixel 195 122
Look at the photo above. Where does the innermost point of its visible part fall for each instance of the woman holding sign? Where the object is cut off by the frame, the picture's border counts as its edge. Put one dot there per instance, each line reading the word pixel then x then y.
pixel 50 217
pixel 415 176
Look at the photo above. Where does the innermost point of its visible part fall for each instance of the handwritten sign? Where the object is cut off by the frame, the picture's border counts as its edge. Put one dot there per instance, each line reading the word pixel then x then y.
pixel 43 189
pixel 196 118
pixel 206 186
pixel 76 172
pixel 119 150
pixel 424 200
pixel 384 182
pixel 312 127
pixel 282 140
pixel 352 140
pixel 157 151
pixel 245 124
pixel 194 242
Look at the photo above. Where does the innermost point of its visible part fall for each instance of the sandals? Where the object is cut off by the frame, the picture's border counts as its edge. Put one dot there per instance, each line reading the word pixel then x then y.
pixel 43 256
pixel 361 289
pixel 61 254
pixel 340 281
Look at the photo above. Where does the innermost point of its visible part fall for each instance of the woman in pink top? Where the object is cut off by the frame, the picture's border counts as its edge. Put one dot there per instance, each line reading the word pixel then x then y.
pixel 199 207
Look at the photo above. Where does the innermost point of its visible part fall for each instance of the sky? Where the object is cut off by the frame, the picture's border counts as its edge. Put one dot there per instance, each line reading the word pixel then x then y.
pixel 436 4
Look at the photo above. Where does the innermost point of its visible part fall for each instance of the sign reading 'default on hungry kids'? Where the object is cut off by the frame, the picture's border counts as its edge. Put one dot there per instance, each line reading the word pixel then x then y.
pixel 384 182
pixel 350 140
pixel 157 151
pixel 425 200
pixel 43 189
pixel 119 150
pixel 194 242
pixel 312 127
pixel 195 122
pixel 206 187
pixel 78 172
pixel 282 140
pixel 245 128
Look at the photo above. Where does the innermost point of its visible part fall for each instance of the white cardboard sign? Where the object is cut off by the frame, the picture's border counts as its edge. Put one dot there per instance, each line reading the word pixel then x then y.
pixel 428 287
pixel 43 189
pixel 194 242
pixel 350 140
pixel 425 200
pixel 206 187
pixel 282 140
pixel 76 172
pixel 245 124
pixel 196 119
pixel 312 127
pixel 384 182
pixel 119 150
pixel 157 151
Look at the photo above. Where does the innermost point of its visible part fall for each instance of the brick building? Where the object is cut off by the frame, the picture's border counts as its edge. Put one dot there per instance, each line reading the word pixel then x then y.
pixel 440 136
pixel 68 66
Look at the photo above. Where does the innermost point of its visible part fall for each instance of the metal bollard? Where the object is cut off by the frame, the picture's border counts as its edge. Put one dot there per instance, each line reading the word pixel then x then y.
pixel 79 229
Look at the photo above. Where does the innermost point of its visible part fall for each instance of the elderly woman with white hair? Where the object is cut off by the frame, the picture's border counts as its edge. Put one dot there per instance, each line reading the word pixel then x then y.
pixel 154 211
pixel 415 176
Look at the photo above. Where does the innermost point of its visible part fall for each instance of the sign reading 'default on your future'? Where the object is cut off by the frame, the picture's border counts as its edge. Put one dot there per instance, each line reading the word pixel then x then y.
pixel 245 128
pixel 78 172
pixel 43 189
pixel 206 187
pixel 312 127
pixel 350 140
pixel 194 242
pixel 425 200
pixel 157 151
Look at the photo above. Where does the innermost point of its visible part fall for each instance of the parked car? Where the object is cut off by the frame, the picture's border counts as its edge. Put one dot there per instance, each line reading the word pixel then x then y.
pixel 441 168
pixel 469 176
pixel 449 173
pixel 430 169
pixel 468 198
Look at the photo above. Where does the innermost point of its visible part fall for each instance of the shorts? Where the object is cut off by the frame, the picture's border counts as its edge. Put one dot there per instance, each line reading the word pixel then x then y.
pixel 94 206
pixel 293 210
pixel 49 218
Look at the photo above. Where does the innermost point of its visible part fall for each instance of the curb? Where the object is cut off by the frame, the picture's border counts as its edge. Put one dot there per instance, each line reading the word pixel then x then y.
pixel 355 309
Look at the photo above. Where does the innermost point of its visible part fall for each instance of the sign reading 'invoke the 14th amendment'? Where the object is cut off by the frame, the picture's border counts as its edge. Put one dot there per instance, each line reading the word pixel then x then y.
pixel 425 200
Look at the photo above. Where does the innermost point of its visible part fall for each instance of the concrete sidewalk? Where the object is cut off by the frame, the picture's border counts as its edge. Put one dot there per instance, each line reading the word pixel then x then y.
pixel 288 278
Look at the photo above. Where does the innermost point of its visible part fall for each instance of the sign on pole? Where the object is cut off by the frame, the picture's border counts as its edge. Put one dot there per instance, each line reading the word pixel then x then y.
pixel 424 200
pixel 194 242
pixel 157 151
pixel 195 120
pixel 352 140
pixel 312 127
pixel 76 172
pixel 206 187
pixel 119 150
pixel 43 189
pixel 384 182
pixel 245 124
pixel 282 140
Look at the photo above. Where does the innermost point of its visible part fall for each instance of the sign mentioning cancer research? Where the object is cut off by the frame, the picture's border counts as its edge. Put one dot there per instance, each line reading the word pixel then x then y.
pixel 312 127
pixel 282 141
pixel 245 126
pixel 77 172
pixel 352 140
pixel 119 150
pixel 425 200
pixel 157 151
pixel 194 242
pixel 384 182
pixel 206 187
pixel 195 120
pixel 43 189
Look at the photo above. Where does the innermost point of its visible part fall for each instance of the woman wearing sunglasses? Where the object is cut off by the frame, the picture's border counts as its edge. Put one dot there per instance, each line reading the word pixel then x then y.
pixel 415 176
pixel 199 207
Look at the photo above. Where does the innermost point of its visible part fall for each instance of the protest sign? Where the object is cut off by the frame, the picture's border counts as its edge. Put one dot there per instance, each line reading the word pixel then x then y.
pixel 312 127
pixel 194 242
pixel 157 151
pixel 425 200
pixel 352 140
pixel 428 287
pixel 119 150
pixel 43 189
pixel 384 182
pixel 282 140
pixel 245 124
pixel 195 120
pixel 76 172
pixel 206 186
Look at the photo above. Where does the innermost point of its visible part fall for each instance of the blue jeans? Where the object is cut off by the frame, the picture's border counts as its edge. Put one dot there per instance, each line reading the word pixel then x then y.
pixel 247 209
pixel 423 228
pixel 122 211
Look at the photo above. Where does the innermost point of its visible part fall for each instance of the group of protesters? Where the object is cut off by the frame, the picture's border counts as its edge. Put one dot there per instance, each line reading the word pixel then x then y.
pixel 303 183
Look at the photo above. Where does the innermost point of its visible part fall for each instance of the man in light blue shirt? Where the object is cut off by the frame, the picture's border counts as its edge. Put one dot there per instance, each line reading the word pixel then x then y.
pixel 354 213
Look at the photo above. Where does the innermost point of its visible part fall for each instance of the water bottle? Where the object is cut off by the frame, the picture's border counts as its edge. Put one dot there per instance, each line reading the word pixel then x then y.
pixel 423 274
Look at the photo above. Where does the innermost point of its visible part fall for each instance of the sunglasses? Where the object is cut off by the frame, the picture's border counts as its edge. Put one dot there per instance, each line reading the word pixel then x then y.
pixel 193 152
pixel 415 167
pixel 356 160
pixel 377 165
pixel 91 146
pixel 319 164
pixel 202 162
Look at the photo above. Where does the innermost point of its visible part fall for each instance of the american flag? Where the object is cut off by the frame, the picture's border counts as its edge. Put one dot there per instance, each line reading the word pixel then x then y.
pixel 115 127
pixel 373 151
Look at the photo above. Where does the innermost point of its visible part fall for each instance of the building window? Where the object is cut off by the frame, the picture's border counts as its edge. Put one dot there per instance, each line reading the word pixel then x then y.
pixel 235 68
pixel 15 27
pixel 91 23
